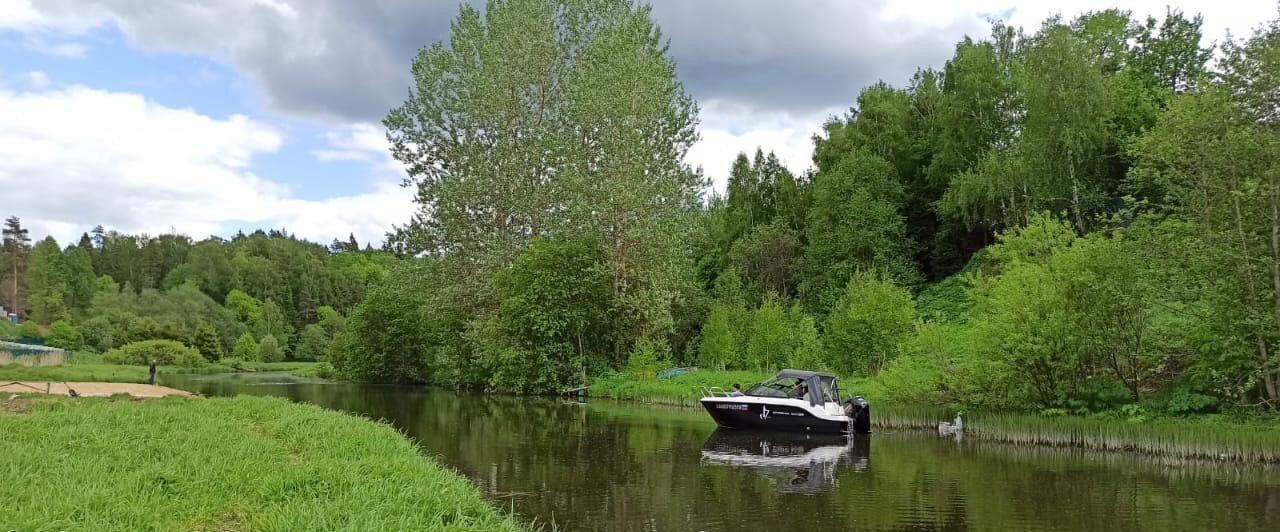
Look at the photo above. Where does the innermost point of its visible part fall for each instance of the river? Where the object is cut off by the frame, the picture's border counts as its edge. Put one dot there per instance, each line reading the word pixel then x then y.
pixel 605 465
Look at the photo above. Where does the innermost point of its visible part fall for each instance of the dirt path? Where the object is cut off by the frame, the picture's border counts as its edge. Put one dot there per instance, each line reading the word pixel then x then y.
pixel 90 389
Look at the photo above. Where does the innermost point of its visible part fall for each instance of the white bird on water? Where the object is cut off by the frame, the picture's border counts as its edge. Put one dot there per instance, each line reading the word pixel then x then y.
pixel 954 428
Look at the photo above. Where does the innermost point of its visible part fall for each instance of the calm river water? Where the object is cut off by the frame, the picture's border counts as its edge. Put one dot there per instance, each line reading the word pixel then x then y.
pixel 614 466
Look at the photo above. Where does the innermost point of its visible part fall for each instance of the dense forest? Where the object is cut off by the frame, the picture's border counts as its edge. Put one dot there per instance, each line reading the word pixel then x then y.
pixel 1077 216
pixel 263 296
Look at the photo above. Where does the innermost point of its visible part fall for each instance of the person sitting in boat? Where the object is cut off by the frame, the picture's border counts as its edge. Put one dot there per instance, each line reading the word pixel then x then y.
pixel 737 390
pixel 801 390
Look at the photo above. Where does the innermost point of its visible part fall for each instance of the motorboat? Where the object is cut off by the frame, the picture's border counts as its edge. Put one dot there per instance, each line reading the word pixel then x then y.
pixel 793 400
pixel 798 463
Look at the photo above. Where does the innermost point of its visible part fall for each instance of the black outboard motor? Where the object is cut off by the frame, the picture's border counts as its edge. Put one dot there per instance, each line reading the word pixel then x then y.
pixel 859 413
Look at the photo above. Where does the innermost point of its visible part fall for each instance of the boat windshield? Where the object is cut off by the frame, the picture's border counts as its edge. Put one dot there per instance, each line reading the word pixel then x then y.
pixel 784 388
pixel 790 388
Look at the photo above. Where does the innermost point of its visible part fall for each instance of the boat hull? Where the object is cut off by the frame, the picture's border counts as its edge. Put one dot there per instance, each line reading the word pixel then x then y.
pixel 767 416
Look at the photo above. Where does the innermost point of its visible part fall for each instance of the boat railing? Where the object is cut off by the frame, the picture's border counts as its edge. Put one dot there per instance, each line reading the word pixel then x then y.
pixel 714 391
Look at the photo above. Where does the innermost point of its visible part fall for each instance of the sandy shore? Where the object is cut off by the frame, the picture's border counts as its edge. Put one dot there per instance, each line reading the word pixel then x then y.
pixel 90 389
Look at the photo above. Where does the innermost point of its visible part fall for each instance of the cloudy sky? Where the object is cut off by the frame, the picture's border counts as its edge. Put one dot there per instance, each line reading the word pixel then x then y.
pixel 209 116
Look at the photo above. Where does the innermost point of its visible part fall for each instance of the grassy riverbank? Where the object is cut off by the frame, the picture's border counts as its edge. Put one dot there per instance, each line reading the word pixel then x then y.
pixel 92 371
pixel 1213 437
pixel 244 463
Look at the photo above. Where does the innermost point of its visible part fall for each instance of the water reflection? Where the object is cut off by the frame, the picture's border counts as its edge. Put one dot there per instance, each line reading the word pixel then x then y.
pixel 796 462
pixel 615 466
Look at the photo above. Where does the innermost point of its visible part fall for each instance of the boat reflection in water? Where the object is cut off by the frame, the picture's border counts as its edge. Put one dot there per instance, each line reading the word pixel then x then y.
pixel 799 463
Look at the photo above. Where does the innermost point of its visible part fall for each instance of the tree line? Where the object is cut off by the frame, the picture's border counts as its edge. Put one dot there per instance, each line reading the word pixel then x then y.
pixel 266 295
pixel 1078 217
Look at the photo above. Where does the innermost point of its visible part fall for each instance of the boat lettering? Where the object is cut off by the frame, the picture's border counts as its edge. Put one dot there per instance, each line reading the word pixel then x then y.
pixel 731 407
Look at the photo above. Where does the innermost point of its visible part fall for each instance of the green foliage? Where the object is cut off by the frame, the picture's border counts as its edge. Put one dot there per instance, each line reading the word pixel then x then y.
pixel 162 352
pixel 47 278
pixel 269 349
pixel 175 314
pixel 947 300
pixel 867 323
pixel 313 343
pixel 405 335
pixel 246 348
pixel 554 315
pixel 769 347
pixel 1185 402
pixel 15 252
pixel 63 335
pixel 206 342
pixel 330 320
pixel 683 389
pixel 246 308
pixel 648 359
pixel 766 258
pixel 719 347
pixel 854 224
pixel 29 331
pixel 804 343
pixel 599 154
pixel 932 367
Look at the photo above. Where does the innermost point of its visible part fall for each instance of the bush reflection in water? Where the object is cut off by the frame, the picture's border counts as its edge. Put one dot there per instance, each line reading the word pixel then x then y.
pixel 615 466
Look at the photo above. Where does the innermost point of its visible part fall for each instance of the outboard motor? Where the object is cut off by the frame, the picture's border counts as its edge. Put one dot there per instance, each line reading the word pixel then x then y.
pixel 859 413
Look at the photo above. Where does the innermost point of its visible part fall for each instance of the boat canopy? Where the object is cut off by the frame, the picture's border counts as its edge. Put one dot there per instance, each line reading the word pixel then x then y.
pixel 818 387
pixel 801 374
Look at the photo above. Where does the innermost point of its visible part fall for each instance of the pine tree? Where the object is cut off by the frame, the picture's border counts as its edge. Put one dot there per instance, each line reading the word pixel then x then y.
pixel 205 340
pixel 16 247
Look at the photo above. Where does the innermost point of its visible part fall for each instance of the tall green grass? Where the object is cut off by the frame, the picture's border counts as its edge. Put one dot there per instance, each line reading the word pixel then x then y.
pixel 1169 437
pixel 681 390
pixel 243 463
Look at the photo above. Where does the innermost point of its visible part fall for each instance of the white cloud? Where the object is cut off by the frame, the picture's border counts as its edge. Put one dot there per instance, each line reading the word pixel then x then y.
pixel 360 142
pixel 37 79
pixel 767 73
pixel 18 14
pixel 68 49
pixel 728 130
pixel 73 157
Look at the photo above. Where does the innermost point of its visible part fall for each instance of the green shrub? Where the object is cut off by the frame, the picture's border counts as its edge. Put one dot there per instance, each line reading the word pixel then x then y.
pixel 648 359
pixel 1184 402
pixel 912 379
pixel 269 349
pixel 1095 394
pixel 163 352
pixel 207 343
pixel 313 343
pixel 63 335
pixel 30 332
pixel 946 301
pixel 234 363
pixel 100 334
pixel 867 323
pixel 246 348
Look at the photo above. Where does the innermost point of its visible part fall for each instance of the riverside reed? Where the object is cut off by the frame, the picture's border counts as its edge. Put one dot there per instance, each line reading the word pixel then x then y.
pixel 1172 437
pixel 243 463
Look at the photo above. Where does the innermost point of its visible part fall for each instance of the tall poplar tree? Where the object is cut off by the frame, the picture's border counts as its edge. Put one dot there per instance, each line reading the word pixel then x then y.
pixel 548 117
pixel 16 246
